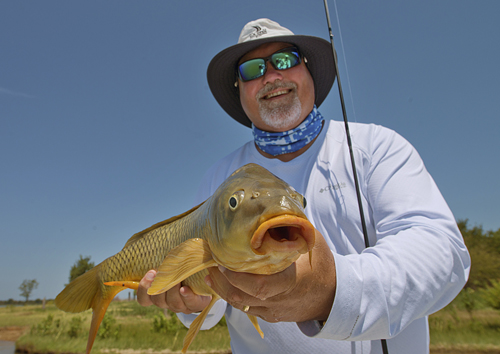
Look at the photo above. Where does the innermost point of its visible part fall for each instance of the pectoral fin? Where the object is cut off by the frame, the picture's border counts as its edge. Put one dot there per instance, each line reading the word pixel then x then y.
pixel 181 262
pixel 253 319
pixel 196 324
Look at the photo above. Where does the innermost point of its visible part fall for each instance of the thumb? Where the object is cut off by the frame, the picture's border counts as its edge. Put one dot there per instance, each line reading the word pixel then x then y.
pixel 147 280
pixel 142 292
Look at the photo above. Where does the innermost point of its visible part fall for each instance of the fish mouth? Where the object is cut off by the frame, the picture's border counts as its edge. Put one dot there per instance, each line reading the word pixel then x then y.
pixel 283 234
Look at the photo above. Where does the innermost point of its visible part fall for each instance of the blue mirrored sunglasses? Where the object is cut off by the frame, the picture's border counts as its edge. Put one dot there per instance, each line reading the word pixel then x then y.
pixel 281 60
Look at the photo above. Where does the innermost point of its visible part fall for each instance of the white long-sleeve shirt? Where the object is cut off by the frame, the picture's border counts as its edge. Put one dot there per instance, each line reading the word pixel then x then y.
pixel 417 263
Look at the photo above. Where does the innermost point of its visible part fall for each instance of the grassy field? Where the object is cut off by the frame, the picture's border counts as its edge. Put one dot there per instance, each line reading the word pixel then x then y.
pixel 131 329
pixel 466 325
pixel 126 326
pixel 454 331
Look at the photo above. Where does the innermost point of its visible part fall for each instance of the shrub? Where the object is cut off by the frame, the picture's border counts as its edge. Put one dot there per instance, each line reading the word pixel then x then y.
pixel 159 323
pixel 75 326
pixel 108 328
pixel 169 323
pixel 469 301
pixel 492 294
pixel 46 326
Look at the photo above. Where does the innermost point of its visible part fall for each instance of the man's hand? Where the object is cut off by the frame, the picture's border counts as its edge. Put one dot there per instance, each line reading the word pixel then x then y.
pixel 299 293
pixel 177 299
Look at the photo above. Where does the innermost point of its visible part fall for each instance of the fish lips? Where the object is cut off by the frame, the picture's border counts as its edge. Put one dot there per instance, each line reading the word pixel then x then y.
pixel 283 234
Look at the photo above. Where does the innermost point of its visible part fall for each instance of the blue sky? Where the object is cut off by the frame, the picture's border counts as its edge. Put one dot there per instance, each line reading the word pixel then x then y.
pixel 107 123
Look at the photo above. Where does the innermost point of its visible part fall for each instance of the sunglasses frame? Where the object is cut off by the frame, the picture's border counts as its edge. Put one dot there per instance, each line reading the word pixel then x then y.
pixel 291 49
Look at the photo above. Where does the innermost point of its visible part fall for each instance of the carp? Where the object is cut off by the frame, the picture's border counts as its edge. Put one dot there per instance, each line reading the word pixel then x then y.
pixel 254 223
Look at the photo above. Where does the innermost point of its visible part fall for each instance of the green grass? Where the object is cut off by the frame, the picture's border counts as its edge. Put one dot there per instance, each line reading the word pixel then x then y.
pixel 458 328
pixel 127 325
pixel 473 331
pixel 24 315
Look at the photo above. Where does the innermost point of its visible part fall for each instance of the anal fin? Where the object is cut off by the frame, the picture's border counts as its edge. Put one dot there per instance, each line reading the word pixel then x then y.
pixel 99 306
pixel 134 285
pixel 196 325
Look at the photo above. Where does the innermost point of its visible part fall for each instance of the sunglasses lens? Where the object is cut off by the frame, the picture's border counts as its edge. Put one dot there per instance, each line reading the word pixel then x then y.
pixel 252 69
pixel 285 60
pixel 282 60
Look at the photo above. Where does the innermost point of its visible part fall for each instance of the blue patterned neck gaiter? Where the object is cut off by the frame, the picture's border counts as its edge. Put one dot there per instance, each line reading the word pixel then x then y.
pixel 292 140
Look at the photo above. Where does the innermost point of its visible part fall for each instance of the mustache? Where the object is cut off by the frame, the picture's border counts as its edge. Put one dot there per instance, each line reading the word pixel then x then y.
pixel 276 85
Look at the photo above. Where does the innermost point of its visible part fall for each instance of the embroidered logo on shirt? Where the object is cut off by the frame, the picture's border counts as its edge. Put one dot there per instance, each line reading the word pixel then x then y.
pixel 333 187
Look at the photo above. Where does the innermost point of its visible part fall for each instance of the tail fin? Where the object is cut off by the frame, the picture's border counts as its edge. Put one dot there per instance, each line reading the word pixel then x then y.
pixel 87 291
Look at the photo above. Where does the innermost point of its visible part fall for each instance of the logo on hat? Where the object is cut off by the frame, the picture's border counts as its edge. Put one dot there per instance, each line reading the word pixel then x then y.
pixel 258 32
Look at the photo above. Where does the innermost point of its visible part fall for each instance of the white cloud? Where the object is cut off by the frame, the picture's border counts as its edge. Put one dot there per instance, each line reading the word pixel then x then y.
pixel 14 93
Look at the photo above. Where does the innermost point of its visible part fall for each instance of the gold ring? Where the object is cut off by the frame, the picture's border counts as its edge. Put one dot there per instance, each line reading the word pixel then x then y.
pixel 246 308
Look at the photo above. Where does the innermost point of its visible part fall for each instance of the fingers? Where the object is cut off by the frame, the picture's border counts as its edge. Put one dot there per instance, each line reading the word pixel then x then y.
pixel 171 300
pixel 144 299
pixel 142 292
pixel 263 308
pixel 256 285
pixel 304 291
pixel 193 302
pixel 177 299
pixel 261 293
pixel 181 299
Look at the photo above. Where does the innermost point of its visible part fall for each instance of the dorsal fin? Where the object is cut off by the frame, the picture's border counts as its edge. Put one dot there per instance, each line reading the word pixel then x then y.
pixel 141 234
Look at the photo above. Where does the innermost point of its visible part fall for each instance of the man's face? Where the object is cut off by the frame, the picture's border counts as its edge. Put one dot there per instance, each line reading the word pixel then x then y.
pixel 280 99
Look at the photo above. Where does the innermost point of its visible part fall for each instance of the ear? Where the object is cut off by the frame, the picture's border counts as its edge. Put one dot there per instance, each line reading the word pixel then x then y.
pixel 237 85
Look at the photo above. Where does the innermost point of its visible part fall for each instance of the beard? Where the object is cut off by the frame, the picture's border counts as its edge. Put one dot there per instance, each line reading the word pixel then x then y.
pixel 281 113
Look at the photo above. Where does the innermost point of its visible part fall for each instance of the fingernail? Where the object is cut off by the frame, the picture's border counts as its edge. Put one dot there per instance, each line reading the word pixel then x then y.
pixel 150 276
pixel 208 281
pixel 182 291
pixel 222 269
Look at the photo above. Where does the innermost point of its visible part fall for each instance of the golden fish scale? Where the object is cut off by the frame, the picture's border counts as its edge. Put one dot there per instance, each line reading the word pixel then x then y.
pixel 149 251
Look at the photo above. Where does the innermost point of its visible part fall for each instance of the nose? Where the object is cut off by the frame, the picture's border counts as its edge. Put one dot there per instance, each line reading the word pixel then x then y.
pixel 271 74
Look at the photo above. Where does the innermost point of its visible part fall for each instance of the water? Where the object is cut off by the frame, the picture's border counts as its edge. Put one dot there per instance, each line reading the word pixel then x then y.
pixel 7 347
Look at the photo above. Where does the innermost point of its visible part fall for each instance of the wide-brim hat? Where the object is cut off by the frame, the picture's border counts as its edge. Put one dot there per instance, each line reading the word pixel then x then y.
pixel 221 72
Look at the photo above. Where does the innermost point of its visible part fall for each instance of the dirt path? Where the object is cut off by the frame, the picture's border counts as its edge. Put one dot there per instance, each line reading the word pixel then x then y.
pixel 464 350
pixel 12 333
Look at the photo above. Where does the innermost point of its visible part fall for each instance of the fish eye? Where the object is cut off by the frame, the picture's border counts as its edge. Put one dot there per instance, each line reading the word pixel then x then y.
pixel 297 196
pixel 236 199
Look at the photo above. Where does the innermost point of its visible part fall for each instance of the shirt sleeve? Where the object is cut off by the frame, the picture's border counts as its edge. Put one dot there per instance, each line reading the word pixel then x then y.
pixel 213 317
pixel 419 262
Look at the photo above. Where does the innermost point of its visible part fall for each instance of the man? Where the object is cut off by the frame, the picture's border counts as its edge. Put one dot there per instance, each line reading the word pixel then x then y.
pixel 351 297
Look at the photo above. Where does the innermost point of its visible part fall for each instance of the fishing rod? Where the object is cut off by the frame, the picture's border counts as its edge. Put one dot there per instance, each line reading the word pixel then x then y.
pixel 349 144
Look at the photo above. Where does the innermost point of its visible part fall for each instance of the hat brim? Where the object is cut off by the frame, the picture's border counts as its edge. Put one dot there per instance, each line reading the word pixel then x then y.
pixel 221 72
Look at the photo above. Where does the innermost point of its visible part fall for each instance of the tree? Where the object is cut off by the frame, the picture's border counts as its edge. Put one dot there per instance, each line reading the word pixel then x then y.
pixel 81 266
pixel 484 249
pixel 27 287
